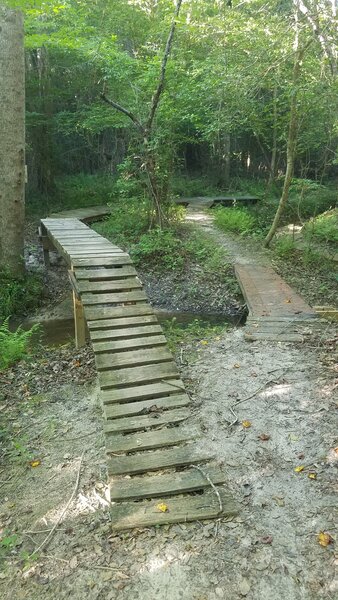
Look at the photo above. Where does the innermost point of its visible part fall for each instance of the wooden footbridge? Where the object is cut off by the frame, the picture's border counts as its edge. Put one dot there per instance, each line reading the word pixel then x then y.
pixel 159 471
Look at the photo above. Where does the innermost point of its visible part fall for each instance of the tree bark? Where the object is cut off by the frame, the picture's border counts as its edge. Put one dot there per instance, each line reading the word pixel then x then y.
pixel 292 139
pixel 12 141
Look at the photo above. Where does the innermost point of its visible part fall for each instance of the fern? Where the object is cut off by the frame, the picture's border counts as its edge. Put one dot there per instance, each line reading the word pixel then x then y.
pixel 14 345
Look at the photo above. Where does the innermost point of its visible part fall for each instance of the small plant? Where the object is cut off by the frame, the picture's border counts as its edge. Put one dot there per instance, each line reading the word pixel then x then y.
pixel 284 246
pixel 161 248
pixel 18 295
pixel 14 345
pixel 237 220
pixel 324 228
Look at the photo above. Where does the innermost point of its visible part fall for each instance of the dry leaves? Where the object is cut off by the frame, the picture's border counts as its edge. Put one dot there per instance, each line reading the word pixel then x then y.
pixel 264 437
pixel 324 539
pixel 35 463
pixel 162 507
pixel 299 469
pixel 246 424
pixel 312 475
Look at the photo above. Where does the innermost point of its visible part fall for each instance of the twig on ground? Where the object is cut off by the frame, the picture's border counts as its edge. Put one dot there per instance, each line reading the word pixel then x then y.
pixel 173 384
pixel 49 536
pixel 212 485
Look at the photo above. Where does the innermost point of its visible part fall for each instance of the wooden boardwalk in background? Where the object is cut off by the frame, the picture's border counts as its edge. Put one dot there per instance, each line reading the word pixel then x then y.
pixel 154 452
pixel 276 312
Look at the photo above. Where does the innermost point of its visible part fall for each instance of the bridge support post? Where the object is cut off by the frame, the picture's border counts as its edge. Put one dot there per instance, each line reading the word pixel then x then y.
pixel 79 318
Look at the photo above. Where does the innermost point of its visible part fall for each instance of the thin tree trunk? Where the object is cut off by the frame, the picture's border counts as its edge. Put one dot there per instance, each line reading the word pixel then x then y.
pixel 291 141
pixel 12 140
pixel 273 162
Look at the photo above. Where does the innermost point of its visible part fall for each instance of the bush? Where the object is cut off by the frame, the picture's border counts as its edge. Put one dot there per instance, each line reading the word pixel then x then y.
pixel 18 295
pixel 284 246
pixel 14 345
pixel 161 248
pixel 237 220
pixel 324 227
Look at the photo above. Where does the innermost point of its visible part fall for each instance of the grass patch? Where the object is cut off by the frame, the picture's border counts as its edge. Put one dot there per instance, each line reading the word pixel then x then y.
pixel 19 295
pixel 236 220
pixel 14 345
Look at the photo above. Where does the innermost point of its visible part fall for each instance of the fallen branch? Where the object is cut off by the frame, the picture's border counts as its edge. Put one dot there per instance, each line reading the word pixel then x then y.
pixel 49 536
pixel 212 485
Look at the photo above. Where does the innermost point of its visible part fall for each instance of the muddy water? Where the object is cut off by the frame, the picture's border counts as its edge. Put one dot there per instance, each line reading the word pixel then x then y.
pixel 55 332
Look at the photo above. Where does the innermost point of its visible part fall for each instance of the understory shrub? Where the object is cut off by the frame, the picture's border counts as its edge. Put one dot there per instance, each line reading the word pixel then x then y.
pixel 14 345
pixel 237 220
pixel 160 247
pixel 19 295
pixel 324 227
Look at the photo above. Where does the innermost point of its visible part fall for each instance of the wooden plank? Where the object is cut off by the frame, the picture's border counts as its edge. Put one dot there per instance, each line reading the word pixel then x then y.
pixel 109 286
pixel 121 323
pixel 107 312
pixel 135 375
pixel 128 515
pixel 115 411
pixel 127 332
pixel 113 298
pixel 101 274
pixel 142 392
pixel 160 459
pixel 129 424
pixel 129 344
pixel 164 485
pixel 131 358
pixel 147 440
pixel 273 337
pixel 121 259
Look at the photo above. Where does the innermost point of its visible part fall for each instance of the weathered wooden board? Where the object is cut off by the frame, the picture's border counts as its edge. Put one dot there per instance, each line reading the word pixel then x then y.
pixel 133 343
pixel 143 392
pixel 164 437
pixel 121 322
pixel 113 298
pixel 127 515
pixel 125 332
pixel 109 286
pixel 129 424
pixel 107 312
pixel 134 375
pixel 130 358
pixel 152 486
pixel 108 273
pixel 115 411
pixel 121 259
pixel 274 337
pixel 159 459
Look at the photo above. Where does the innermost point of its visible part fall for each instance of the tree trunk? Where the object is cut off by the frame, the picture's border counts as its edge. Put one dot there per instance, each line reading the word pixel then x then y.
pixel 273 163
pixel 291 142
pixel 12 140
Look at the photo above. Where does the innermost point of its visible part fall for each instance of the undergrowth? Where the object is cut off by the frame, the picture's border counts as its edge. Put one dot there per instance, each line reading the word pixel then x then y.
pixel 14 345
pixel 323 228
pixel 19 295
pixel 196 332
pixel 237 220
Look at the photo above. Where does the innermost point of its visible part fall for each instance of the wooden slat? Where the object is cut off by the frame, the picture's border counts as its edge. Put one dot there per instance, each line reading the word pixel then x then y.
pixel 109 286
pixel 129 424
pixel 122 259
pixel 121 323
pixel 107 312
pixel 146 374
pixel 164 485
pixel 129 344
pixel 115 411
pixel 147 440
pixel 272 337
pixel 101 274
pixel 113 298
pixel 127 515
pixel 142 392
pixel 131 358
pixel 127 332
pixel 161 459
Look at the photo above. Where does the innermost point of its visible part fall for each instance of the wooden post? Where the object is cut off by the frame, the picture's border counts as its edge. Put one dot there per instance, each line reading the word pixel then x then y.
pixel 79 318
pixel 46 245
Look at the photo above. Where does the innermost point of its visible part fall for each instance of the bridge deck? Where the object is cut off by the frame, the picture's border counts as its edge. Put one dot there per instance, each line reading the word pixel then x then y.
pixel 148 435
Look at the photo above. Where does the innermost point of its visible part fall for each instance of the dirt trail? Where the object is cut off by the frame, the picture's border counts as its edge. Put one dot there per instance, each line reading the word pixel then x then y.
pixel 269 551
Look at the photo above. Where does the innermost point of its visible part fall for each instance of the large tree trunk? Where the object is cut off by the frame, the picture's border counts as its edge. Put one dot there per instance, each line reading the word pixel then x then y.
pixel 12 140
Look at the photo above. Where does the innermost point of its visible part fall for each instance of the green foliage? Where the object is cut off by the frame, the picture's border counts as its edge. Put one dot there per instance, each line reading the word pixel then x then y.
pixel 161 248
pixel 323 228
pixel 194 331
pixel 128 220
pixel 237 220
pixel 14 345
pixel 19 296
pixel 284 246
